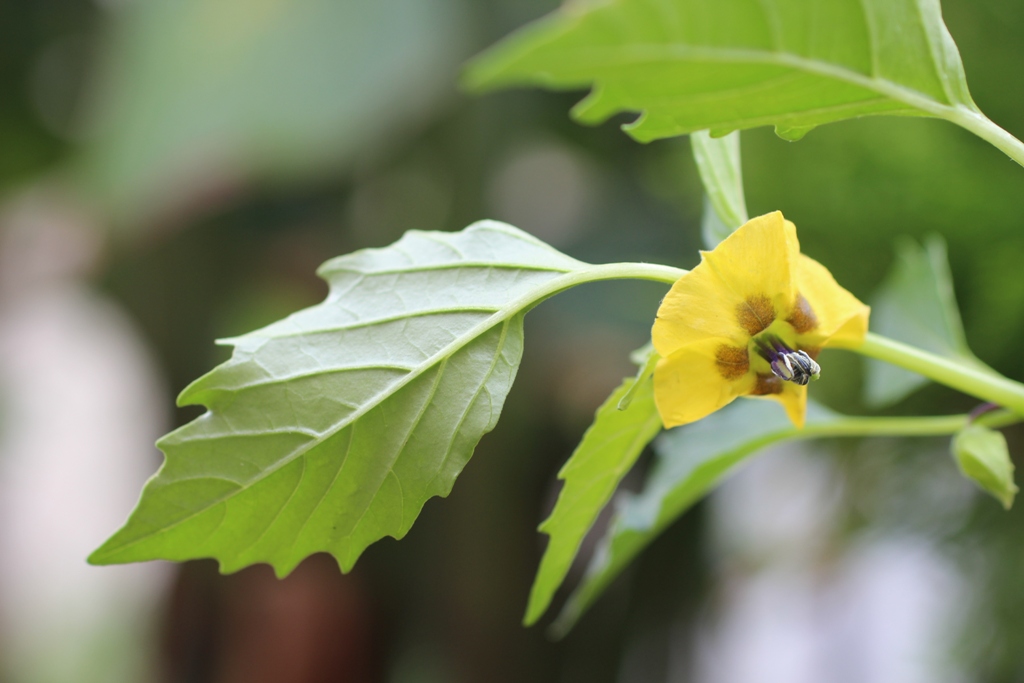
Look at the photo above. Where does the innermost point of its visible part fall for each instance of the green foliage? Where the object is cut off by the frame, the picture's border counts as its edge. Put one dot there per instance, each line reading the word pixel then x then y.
pixel 690 65
pixel 330 429
pixel 268 89
pixel 916 305
pixel 604 456
pixel 692 460
pixel 721 173
pixel 982 455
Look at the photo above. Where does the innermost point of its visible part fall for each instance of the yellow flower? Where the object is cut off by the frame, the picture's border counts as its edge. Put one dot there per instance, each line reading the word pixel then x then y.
pixel 750 321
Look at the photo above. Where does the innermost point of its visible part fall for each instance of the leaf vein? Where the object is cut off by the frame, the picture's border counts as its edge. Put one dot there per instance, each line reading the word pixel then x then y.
pixel 362 324
pixel 405 441
pixel 280 510
pixel 469 405
pixel 327 489
pixel 639 52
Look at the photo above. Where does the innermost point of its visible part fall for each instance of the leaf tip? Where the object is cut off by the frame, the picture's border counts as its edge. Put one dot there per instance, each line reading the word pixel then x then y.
pixel 595 108
pixel 792 133
pixel 106 554
pixel 641 129
pixel 478 75
pixel 1008 494
pixel 501 65
pixel 98 557
pixel 719 133
pixel 560 627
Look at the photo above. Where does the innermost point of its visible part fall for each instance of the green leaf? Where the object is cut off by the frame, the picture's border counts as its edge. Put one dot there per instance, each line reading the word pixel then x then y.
pixel 916 305
pixel 691 65
pixel 718 161
pixel 691 461
pixel 222 92
pixel 606 453
pixel 982 455
pixel 645 358
pixel 330 429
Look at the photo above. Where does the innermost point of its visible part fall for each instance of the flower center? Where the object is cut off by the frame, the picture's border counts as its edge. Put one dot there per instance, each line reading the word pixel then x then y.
pixel 787 364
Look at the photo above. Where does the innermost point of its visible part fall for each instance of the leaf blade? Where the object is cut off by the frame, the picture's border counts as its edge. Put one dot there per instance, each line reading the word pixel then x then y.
pixel 608 450
pixel 331 428
pixel 687 66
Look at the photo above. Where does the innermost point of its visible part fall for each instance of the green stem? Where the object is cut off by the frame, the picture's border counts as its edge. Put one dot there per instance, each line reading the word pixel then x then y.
pixel 987 130
pixel 984 385
pixel 903 426
pixel 623 271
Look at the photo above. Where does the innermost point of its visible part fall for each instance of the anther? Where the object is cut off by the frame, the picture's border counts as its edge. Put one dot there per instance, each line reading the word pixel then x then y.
pixel 787 364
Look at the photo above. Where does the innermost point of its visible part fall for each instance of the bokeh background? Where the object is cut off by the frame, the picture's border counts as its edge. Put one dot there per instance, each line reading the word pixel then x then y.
pixel 173 171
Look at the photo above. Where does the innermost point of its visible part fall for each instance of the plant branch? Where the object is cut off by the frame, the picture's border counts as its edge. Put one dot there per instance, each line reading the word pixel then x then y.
pixel 987 386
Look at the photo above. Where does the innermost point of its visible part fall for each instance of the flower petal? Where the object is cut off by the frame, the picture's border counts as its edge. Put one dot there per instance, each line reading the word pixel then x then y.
pixel 736 291
pixel 793 398
pixel 699 379
pixel 834 317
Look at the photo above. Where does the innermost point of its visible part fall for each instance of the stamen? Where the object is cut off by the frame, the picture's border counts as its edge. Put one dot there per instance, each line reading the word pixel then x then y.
pixel 787 364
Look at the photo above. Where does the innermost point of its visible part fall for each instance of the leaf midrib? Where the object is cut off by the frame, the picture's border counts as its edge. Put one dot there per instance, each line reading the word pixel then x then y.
pixel 362 324
pixel 637 53
pixel 458 265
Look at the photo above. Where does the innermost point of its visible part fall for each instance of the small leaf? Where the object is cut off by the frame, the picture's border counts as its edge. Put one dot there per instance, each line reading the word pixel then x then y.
pixel 646 358
pixel 691 461
pixel 982 455
pixel 691 65
pixel 330 429
pixel 916 305
pixel 606 453
pixel 718 161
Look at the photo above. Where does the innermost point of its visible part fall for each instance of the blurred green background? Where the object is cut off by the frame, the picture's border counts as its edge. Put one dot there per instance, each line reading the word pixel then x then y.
pixel 217 151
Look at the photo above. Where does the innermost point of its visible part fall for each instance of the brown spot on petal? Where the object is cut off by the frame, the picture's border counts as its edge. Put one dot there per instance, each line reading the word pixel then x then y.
pixel 811 351
pixel 755 314
pixel 732 361
pixel 802 318
pixel 767 384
